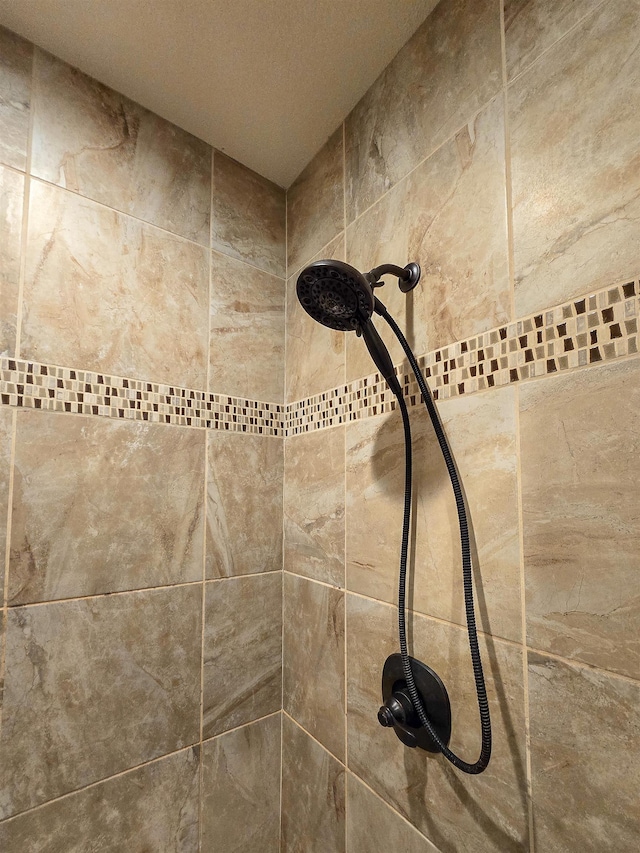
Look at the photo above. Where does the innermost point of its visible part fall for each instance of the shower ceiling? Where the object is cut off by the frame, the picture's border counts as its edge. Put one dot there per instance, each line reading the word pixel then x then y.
pixel 266 81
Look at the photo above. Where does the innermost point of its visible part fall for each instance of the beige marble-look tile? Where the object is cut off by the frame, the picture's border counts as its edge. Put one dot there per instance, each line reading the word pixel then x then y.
pixel 242 651
pixel 16 58
pixel 241 789
pixel 482 434
pixel 248 216
pixel 533 26
pixel 11 202
pixel 109 293
pixel 468 814
pixel 314 353
pixel 580 447
pixel 445 73
pixel 96 142
pixel 94 687
pixel 102 505
pixel 246 344
pixel 315 204
pixel 6 429
pixel 314 505
pixel 449 216
pixel 313 795
pixel 154 807
pixel 244 504
pixel 574 124
pixel 374 827
pixel 585 739
pixel 313 660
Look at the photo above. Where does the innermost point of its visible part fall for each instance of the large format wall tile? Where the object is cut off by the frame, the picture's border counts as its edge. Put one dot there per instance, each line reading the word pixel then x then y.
pixel 574 122
pixel 16 57
pixel 314 506
pixel 11 201
pixel 242 651
pixel 585 740
pixel 248 216
pixel 246 346
pixel 374 827
pixel 314 353
pixel 315 204
pixel 244 504
pixel 108 293
pixel 6 426
pixel 580 444
pixel 482 433
pixel 241 789
pixel 153 808
pixel 101 505
pixel 100 144
pixel 533 26
pixel 94 687
pixel 444 74
pixel 313 659
pixel 313 795
pixel 449 216
pixel 468 814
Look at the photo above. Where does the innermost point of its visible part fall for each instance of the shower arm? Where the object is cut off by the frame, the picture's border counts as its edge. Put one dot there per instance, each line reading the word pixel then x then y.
pixel 407 276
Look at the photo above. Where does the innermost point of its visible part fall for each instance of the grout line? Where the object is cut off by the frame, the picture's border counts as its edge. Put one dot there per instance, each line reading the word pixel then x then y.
pixel 544 53
pixel 102 781
pixel 241 726
pixel 7 553
pixel 344 491
pixel 281 765
pixel 137 590
pixel 523 613
pixel 24 233
pixel 203 621
pixel 284 479
pixel 507 171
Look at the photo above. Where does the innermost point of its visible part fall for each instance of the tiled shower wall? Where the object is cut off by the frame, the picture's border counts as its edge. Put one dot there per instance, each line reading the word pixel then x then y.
pixel 500 149
pixel 142 337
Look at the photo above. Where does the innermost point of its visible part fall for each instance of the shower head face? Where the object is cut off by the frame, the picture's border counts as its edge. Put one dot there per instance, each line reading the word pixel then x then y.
pixel 336 295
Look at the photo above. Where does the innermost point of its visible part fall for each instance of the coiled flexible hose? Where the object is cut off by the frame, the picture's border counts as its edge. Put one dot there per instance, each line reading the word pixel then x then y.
pixel 483 704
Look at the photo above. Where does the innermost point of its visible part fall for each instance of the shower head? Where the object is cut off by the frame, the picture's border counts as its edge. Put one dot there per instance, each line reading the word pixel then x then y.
pixel 336 294
pixel 341 297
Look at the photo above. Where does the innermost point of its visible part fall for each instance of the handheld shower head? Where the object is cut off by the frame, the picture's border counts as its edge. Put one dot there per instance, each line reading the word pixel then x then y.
pixel 336 294
pixel 341 297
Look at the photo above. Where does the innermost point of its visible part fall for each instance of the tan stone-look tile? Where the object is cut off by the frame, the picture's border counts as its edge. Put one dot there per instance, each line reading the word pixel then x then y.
pixel 244 504
pixel 533 26
pixel 16 58
pixel 445 73
pixel 246 344
pixel 482 434
pixel 11 202
pixel 242 651
pixel 6 429
pixel 248 216
pixel 585 740
pixel 574 122
pixel 96 142
pixel 315 204
pixel 314 506
pixel 101 506
pixel 449 216
pixel 241 789
pixel 313 795
pixel 468 814
pixel 94 687
pixel 580 447
pixel 313 660
pixel 374 827
pixel 112 294
pixel 314 353
pixel 154 807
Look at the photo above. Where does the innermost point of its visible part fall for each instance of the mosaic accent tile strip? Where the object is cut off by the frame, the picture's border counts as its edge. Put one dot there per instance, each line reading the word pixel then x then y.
pixel 62 389
pixel 597 328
